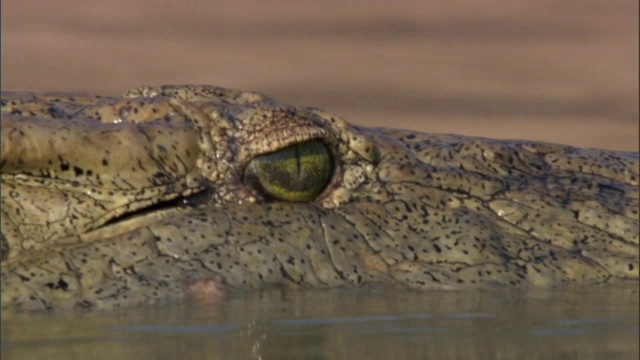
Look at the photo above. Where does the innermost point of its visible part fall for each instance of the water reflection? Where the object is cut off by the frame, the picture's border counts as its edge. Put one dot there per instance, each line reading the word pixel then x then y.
pixel 279 324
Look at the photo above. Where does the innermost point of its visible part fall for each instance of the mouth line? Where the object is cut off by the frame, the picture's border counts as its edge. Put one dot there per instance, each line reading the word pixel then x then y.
pixel 189 201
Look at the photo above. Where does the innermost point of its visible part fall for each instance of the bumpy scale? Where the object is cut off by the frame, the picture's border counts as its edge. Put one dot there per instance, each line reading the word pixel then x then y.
pixel 118 201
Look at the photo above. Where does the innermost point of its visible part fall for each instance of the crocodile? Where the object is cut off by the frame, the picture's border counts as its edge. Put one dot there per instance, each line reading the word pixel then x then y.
pixel 170 193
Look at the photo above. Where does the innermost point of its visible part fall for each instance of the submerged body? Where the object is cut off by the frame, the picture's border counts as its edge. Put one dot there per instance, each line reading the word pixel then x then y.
pixel 180 191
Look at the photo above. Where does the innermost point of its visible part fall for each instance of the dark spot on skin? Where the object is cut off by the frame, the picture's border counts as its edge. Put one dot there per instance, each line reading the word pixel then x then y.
pixel 105 162
pixel 78 171
pixel 84 305
pixel 60 285
pixel 4 249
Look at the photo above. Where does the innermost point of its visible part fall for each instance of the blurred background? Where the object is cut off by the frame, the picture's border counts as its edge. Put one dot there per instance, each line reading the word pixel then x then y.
pixel 559 71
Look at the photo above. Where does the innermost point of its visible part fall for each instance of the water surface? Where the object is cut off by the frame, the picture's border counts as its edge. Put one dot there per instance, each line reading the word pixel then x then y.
pixel 560 71
pixel 350 324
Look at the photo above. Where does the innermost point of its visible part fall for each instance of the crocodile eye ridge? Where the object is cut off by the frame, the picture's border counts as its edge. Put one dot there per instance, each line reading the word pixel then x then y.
pixel 299 172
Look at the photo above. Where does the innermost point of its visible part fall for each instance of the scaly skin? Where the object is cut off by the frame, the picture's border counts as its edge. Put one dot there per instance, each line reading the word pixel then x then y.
pixel 80 176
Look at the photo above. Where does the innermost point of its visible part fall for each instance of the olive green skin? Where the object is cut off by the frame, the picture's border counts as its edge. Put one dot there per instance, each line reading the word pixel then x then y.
pixel 154 197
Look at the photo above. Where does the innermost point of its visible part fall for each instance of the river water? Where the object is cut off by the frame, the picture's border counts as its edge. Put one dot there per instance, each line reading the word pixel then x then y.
pixel 346 324
pixel 560 71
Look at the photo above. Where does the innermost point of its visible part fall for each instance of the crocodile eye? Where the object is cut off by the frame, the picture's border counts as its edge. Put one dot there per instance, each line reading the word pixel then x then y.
pixel 299 172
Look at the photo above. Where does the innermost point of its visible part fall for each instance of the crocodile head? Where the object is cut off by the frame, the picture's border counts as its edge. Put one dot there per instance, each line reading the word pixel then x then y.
pixel 177 191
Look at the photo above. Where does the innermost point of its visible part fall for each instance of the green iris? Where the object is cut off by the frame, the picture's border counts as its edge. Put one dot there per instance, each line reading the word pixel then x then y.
pixel 299 172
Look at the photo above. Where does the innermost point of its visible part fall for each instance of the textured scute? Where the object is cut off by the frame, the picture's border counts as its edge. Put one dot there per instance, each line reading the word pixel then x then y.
pixel 111 202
